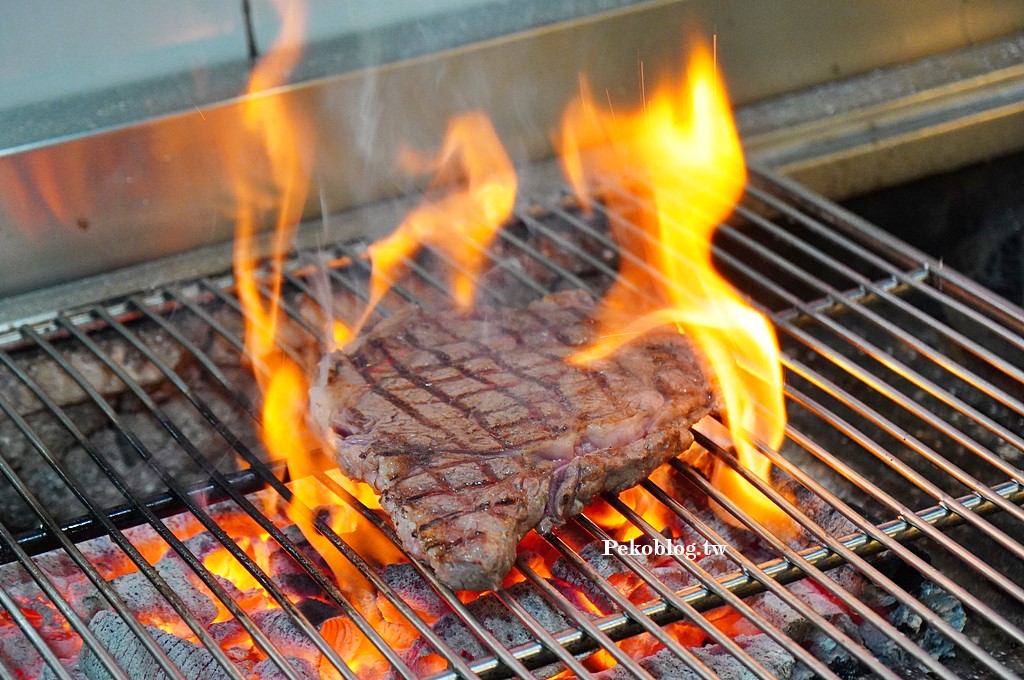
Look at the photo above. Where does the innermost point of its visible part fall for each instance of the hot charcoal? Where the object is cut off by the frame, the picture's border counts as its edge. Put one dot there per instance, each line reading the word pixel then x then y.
pixel 182 645
pixel 101 433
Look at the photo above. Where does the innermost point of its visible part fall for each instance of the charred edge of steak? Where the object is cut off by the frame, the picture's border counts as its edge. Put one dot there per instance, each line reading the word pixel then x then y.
pixel 475 429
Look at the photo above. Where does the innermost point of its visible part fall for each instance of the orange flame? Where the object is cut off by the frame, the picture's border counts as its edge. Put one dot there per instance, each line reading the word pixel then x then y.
pixel 682 155
pixel 284 383
pixel 271 126
pixel 460 224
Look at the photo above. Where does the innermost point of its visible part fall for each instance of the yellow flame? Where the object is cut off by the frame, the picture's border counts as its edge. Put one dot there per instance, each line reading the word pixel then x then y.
pixel 340 333
pixel 281 134
pixel 682 155
pixel 462 223
pixel 272 126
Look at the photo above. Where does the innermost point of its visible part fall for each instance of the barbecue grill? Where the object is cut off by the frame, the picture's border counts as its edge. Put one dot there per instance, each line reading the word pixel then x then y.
pixel 144 530
pixel 894 363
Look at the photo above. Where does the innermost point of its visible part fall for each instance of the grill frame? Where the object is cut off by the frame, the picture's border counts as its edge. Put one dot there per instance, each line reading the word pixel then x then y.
pixel 905 269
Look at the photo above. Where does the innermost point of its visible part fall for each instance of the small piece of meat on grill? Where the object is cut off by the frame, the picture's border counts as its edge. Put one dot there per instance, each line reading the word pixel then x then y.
pixel 474 428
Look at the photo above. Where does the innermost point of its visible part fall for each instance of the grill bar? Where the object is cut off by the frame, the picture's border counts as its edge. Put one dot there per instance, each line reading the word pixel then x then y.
pixel 758 578
pixel 714 587
pixel 817 247
pixel 903 531
pixel 296 616
pixel 840 550
pixel 958 510
pixel 166 535
pixel 108 594
pixel 270 477
pixel 123 516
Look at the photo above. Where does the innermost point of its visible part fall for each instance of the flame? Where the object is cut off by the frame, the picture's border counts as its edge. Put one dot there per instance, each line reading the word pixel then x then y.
pixel 340 333
pixel 279 132
pixel 660 155
pixel 681 154
pixel 463 221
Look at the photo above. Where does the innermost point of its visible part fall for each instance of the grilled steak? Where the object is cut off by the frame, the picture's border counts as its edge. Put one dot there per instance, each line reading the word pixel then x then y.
pixel 474 429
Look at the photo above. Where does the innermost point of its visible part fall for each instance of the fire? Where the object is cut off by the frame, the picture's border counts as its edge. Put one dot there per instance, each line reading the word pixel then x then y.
pixel 463 221
pixel 280 134
pixel 340 334
pixel 684 160
pixel 681 154
pixel 639 501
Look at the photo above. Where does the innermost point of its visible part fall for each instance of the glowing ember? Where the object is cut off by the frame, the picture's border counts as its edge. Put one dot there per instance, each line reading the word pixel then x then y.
pixel 681 154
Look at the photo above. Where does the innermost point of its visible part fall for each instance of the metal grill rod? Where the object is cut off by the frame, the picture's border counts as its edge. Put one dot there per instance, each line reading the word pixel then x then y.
pixel 1013 507
pixel 728 597
pixel 687 612
pixel 258 637
pixel 631 611
pixel 829 629
pixel 112 597
pixel 966 502
pixel 867 286
pixel 428 634
pixel 909 405
pixel 127 515
pixel 893 535
pixel 450 598
pixel 929 657
pixel 584 638
pixel 1007 542
pixel 823 625
pixel 766 185
pixel 97 511
pixel 780 571
pixel 851 302
pixel 62 605
pixel 297 617
pixel 954 505
pixel 272 479
pixel 856 649
pixel 879 355
pixel 885 389
pixel 681 652
pixel 809 570
pixel 337 541
pixel 892 363
pixel 840 550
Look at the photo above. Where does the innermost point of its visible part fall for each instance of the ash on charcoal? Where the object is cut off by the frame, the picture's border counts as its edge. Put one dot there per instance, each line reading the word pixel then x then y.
pixel 814 506
pixel 605 565
pixel 508 630
pixel 665 664
pixel 268 670
pixel 194 661
pixel 945 607
pixel 821 646
pixel 413 588
pixel 103 435
pixel 285 635
pixel 143 598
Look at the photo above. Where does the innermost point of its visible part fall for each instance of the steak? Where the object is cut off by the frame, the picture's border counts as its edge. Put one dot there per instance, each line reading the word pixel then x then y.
pixel 474 428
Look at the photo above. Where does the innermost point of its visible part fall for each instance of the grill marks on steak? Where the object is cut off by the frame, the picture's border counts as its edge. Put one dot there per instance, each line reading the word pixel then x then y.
pixel 475 429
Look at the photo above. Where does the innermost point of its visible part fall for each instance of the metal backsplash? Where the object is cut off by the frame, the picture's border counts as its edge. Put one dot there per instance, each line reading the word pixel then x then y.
pixel 87 203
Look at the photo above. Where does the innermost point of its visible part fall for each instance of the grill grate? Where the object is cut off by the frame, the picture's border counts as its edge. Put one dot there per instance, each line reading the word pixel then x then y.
pixel 903 381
